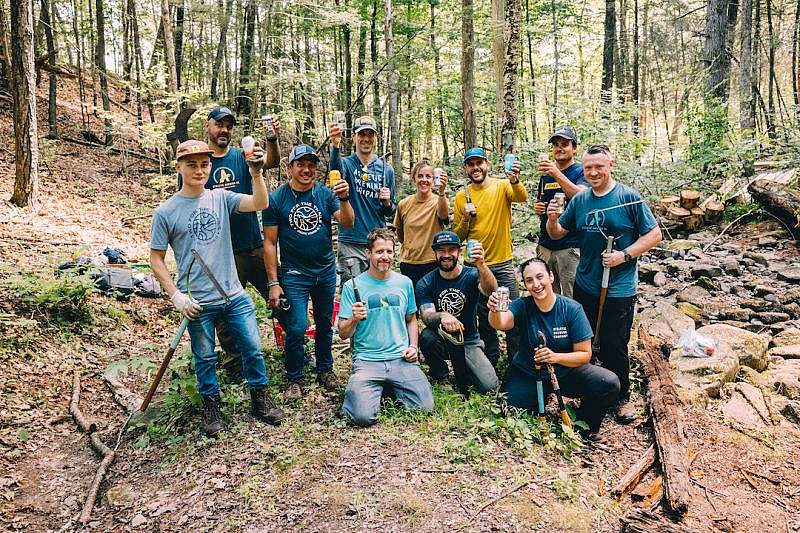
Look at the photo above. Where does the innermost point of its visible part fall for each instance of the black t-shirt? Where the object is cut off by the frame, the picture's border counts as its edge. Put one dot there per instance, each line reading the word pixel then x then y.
pixel 550 187
pixel 458 296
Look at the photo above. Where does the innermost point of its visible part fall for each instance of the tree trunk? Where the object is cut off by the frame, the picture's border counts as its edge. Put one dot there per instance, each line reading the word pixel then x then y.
pixel 771 131
pixel 361 65
pixel 127 52
pixel 100 62
pixel 498 61
pixel 609 45
pixel 556 66
pixel 468 74
pixel 512 40
pixel 169 48
pixel 715 56
pixel 47 22
pixel 23 92
pixel 373 51
pixel 795 73
pixel 394 120
pixel 5 57
pixel 347 94
pixel 534 124
pixel 780 201
pixel 747 107
pixel 244 102
pixel 437 71
pixel 635 71
pixel 179 18
pixel 223 33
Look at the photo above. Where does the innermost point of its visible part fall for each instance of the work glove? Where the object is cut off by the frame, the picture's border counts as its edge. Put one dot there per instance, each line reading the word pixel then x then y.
pixel 187 306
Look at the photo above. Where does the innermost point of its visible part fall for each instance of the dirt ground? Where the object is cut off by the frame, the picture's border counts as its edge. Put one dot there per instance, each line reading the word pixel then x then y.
pixel 313 473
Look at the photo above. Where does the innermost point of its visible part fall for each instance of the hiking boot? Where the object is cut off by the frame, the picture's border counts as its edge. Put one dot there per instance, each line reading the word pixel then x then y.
pixel 626 413
pixel 212 416
pixel 263 406
pixel 327 380
pixel 294 391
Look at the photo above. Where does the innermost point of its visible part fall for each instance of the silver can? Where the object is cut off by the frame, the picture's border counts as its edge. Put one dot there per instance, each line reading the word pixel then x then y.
pixel 341 119
pixel 503 297
pixel 561 201
pixel 269 126
pixel 437 178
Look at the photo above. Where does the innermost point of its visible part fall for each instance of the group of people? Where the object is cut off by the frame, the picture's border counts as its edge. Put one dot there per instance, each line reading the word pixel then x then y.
pixel 462 304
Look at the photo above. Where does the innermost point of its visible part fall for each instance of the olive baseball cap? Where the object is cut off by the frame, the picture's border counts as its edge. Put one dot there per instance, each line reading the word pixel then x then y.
pixel 365 123
pixel 192 147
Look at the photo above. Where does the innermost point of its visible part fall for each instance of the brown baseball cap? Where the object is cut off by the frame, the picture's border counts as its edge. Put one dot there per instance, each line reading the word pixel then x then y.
pixel 192 147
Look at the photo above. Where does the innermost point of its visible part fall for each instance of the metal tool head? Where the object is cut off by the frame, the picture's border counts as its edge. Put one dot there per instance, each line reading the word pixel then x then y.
pixel 542 339
pixel 207 271
pixel 351 263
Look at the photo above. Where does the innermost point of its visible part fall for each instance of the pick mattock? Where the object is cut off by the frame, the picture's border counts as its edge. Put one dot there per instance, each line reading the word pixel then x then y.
pixel 603 294
pixel 565 419
pixel 351 262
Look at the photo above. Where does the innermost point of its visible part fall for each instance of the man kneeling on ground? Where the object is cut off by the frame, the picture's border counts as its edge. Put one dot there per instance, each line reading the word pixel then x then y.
pixel 379 311
pixel 196 219
pixel 448 301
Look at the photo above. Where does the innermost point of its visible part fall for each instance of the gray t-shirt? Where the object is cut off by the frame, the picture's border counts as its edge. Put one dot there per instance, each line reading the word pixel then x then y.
pixel 202 223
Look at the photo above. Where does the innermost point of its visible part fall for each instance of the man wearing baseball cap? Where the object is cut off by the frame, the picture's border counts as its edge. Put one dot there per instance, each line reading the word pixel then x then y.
pixel 562 175
pixel 482 211
pixel 197 221
pixel 448 302
pixel 372 190
pixel 299 217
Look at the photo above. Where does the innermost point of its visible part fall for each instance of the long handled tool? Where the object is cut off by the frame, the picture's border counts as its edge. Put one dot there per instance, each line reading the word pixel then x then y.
pixel 565 419
pixel 603 295
pixel 350 262
pixel 539 385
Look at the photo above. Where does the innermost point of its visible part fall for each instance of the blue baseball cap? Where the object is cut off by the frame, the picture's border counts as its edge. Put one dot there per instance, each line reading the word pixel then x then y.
pixel 475 152
pixel 445 238
pixel 303 150
pixel 220 112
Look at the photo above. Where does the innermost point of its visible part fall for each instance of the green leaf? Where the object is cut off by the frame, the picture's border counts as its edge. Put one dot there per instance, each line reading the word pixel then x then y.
pixel 23 435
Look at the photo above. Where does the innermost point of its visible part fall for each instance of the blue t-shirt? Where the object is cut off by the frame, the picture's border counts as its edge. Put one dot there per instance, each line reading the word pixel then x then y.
pixel 458 296
pixel 550 187
pixel 370 212
pixel 203 224
pixel 304 220
pixel 232 173
pixel 563 326
pixel 383 335
pixel 593 218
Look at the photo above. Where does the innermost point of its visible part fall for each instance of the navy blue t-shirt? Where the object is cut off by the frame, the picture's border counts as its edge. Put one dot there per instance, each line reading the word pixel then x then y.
pixel 232 173
pixel 621 213
pixel 550 187
pixel 304 220
pixel 458 296
pixel 563 326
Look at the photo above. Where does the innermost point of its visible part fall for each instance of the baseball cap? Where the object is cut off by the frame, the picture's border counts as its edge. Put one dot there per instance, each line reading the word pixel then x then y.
pixel 219 112
pixel 365 123
pixel 475 152
pixel 192 147
pixel 565 132
pixel 445 238
pixel 302 150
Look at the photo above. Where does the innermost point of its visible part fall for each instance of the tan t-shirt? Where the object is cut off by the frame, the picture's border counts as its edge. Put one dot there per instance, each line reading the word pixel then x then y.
pixel 416 224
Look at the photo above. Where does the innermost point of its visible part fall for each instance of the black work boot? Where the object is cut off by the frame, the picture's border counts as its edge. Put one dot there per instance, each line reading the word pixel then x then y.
pixel 263 406
pixel 212 416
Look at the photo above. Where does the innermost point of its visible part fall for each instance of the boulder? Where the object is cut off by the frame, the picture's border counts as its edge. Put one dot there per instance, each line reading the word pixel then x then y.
pixel 707 270
pixel 731 266
pixel 784 378
pixel 708 283
pixel 791 411
pixel 704 373
pixel 660 279
pixel 791 309
pixel 682 244
pixel 690 310
pixel 772 317
pixel 677 266
pixel 767 242
pixel 790 296
pixel 756 257
pixel 666 322
pixel 751 348
pixel 739 409
pixel 731 312
pixel 647 271
pixel 788 351
pixel 694 295
pixel 756 304
pixel 763 290
pixel 786 337
pixel 792 275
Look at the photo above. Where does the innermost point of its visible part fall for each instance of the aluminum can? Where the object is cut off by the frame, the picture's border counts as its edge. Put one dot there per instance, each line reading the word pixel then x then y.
pixel 544 156
pixel 508 162
pixel 437 178
pixel 333 178
pixel 561 201
pixel 468 250
pixel 503 297
pixel 269 126
pixel 340 118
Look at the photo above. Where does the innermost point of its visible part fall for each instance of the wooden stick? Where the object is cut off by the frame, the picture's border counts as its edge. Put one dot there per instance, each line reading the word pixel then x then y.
pixel 635 473
pixel 492 502
pixel 111 148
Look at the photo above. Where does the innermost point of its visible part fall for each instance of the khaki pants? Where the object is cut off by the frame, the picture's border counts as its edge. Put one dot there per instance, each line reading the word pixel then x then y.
pixel 563 263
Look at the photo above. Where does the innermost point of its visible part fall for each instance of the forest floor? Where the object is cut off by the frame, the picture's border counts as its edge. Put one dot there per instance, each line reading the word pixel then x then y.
pixel 464 467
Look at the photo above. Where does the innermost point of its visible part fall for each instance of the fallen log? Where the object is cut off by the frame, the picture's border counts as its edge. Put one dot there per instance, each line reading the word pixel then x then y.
pixel 123 151
pixel 667 417
pixel 634 473
pixel 780 201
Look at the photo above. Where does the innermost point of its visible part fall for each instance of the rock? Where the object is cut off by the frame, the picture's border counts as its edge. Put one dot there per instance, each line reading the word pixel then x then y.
pixel 756 257
pixel 698 253
pixel 706 270
pixel 648 270
pixel 755 304
pixel 682 244
pixel 786 337
pixel 138 520
pixel 659 279
pixel 666 322
pixel 771 317
pixel 740 314
pixel 677 266
pixel 792 309
pixel 708 283
pixel 690 310
pixel 791 411
pixel 784 378
pixel 755 398
pixel 705 373
pixel 767 242
pixel 788 351
pixel 694 295
pixel 772 298
pixel 739 409
pixel 763 290
pixel 791 275
pixel 790 296
pixel 119 495
pixel 751 348
pixel 731 266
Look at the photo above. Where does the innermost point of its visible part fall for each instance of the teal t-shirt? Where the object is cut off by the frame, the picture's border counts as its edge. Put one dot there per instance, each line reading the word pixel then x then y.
pixel 383 335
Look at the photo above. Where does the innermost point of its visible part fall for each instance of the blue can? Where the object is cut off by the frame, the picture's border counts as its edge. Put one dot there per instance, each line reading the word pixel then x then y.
pixel 468 250
pixel 508 162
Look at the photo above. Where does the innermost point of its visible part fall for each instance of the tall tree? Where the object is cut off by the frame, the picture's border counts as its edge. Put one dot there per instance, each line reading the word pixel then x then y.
pixel 795 72
pixel 747 108
pixel 716 52
pixel 244 100
pixel 394 92
pixel 771 81
pixel 556 65
pixel 223 32
pixel 180 15
pixel 47 23
pixel 609 49
pixel 437 73
pixel 468 73
pixel 512 40
pixel 498 61
pixel 23 93
pixel 347 56
pixel 635 69
pixel 100 63
pixel 373 52
pixel 169 47
pixel 5 58
pixel 361 65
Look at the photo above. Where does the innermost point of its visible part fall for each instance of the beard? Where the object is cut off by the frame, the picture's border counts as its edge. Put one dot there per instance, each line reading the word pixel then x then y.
pixel 447 264
pixel 222 143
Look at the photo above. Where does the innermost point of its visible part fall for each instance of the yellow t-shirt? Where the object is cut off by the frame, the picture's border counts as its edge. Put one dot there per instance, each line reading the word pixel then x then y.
pixel 416 223
pixel 492 225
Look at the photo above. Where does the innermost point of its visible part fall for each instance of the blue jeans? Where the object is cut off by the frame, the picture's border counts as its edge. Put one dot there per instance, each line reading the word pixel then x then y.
pixel 298 288
pixel 240 314
pixel 362 398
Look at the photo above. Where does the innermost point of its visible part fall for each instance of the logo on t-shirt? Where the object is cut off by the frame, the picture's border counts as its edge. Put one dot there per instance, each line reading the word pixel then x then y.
pixel 224 178
pixel 452 301
pixel 594 221
pixel 388 301
pixel 204 225
pixel 305 218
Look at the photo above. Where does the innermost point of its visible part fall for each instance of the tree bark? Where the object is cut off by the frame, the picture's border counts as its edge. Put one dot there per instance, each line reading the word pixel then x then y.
pixel 373 50
pixel 534 124
pixel 780 201
pixel 609 49
pixel 244 102
pixel 512 40
pixel 361 65
pixel 5 53
pixel 556 65
pixel 437 71
pixel 747 107
pixel 169 48
pixel 468 74
pixel 47 22
pixel 180 12
pixel 23 92
pixel 635 71
pixel 394 120
pixel 795 73
pixel 100 62
pixel 771 129
pixel 347 57
pixel 223 33
pixel 498 61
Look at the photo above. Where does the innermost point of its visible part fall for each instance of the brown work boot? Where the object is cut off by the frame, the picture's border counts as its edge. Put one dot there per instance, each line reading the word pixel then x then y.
pixel 328 381
pixel 212 416
pixel 626 413
pixel 294 391
pixel 263 406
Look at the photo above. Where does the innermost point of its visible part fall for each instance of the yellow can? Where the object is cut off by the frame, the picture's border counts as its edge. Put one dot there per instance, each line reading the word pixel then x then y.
pixel 333 178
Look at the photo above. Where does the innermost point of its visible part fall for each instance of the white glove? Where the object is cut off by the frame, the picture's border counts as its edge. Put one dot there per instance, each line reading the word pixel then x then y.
pixel 187 306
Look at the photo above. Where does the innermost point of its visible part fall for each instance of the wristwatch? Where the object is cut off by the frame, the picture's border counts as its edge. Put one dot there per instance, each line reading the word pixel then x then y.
pixel 628 256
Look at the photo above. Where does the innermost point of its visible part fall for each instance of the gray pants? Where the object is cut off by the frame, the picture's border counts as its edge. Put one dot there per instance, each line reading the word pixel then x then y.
pixel 356 252
pixel 563 264
pixel 470 365
pixel 362 398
